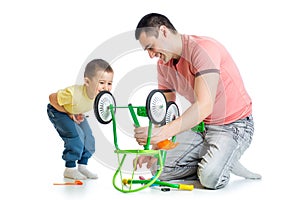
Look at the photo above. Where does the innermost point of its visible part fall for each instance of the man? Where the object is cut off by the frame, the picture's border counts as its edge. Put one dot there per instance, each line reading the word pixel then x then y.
pixel 201 70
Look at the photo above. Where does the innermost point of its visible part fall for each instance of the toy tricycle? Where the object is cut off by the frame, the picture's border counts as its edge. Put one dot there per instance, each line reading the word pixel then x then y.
pixel 159 112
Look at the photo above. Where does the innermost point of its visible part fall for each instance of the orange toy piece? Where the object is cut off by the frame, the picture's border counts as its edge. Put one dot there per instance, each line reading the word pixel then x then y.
pixel 167 145
pixel 76 182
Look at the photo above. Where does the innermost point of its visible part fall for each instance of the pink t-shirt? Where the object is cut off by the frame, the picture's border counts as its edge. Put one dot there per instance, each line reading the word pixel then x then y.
pixel 201 55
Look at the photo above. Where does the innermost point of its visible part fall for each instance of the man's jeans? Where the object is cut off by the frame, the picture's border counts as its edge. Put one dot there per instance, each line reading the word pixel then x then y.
pixel 209 156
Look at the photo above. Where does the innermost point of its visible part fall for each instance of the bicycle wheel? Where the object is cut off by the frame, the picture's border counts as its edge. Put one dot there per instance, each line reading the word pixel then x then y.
pixel 101 107
pixel 156 106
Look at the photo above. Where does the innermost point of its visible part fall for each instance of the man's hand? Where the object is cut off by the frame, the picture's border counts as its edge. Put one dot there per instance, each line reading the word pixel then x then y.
pixel 141 134
pixel 150 160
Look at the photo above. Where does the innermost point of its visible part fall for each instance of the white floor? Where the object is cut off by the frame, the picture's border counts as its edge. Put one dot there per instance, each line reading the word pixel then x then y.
pixel 36 182
pixel 32 169
pixel 93 189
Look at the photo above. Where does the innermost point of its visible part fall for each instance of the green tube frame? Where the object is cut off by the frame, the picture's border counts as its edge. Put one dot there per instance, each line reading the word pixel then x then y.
pixel 159 154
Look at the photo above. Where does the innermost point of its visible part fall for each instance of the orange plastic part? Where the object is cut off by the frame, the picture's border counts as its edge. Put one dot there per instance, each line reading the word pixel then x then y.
pixel 167 145
pixel 76 182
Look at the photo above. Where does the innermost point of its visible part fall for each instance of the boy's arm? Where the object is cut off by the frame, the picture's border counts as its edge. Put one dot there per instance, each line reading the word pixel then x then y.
pixel 54 103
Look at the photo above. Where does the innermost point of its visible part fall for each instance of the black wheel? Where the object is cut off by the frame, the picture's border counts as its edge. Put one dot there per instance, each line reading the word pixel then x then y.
pixel 156 106
pixel 101 106
pixel 172 112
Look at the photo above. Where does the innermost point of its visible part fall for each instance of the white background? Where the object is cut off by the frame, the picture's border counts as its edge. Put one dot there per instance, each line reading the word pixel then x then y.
pixel 43 45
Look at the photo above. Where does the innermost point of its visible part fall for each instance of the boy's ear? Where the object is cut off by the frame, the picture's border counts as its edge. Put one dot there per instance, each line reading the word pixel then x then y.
pixel 86 81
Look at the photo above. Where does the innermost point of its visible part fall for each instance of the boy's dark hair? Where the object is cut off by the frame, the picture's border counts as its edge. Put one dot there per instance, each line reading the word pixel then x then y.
pixel 150 24
pixel 97 64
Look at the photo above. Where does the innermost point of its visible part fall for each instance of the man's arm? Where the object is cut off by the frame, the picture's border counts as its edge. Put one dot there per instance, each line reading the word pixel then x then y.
pixel 170 95
pixel 205 92
pixel 205 89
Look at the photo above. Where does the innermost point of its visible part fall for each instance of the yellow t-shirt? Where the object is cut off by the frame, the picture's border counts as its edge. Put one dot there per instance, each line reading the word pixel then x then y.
pixel 74 99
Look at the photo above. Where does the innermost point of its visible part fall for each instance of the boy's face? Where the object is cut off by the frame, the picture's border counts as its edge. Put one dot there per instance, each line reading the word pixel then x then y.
pixel 102 81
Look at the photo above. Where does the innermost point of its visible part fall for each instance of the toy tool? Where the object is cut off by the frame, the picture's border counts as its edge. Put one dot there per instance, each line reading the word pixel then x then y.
pixel 76 182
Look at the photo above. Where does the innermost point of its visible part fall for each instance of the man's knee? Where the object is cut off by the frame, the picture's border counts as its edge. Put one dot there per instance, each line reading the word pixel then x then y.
pixel 211 179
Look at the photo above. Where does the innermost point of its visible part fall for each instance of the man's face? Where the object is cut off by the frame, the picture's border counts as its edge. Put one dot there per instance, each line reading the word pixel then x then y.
pixel 156 47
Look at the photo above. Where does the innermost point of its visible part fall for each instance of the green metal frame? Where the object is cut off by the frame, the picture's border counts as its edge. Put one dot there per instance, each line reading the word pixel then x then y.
pixel 126 184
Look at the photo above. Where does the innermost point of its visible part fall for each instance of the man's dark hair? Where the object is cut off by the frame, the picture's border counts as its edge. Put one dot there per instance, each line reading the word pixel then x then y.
pixel 150 24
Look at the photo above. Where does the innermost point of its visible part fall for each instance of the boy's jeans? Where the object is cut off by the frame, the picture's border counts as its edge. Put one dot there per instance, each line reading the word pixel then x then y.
pixel 210 156
pixel 79 143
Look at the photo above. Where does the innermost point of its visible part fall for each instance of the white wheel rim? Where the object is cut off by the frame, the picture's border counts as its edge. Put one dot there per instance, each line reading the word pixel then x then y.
pixel 103 106
pixel 158 107
pixel 172 113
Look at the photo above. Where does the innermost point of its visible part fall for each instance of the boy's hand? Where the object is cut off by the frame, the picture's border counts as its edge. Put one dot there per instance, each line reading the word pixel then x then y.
pixel 77 118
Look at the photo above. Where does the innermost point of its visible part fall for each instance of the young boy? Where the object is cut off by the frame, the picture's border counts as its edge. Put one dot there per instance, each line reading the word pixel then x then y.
pixel 65 111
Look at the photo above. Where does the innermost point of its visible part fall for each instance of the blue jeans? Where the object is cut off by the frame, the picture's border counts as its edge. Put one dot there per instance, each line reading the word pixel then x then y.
pixel 210 156
pixel 79 143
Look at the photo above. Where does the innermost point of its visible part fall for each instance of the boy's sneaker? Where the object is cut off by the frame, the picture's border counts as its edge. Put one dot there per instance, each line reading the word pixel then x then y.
pixel 83 170
pixel 73 173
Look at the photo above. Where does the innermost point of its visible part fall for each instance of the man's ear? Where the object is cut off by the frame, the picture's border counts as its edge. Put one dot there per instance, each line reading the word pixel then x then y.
pixel 86 81
pixel 163 30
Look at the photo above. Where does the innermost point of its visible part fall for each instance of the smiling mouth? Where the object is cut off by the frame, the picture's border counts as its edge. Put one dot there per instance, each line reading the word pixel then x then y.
pixel 160 56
